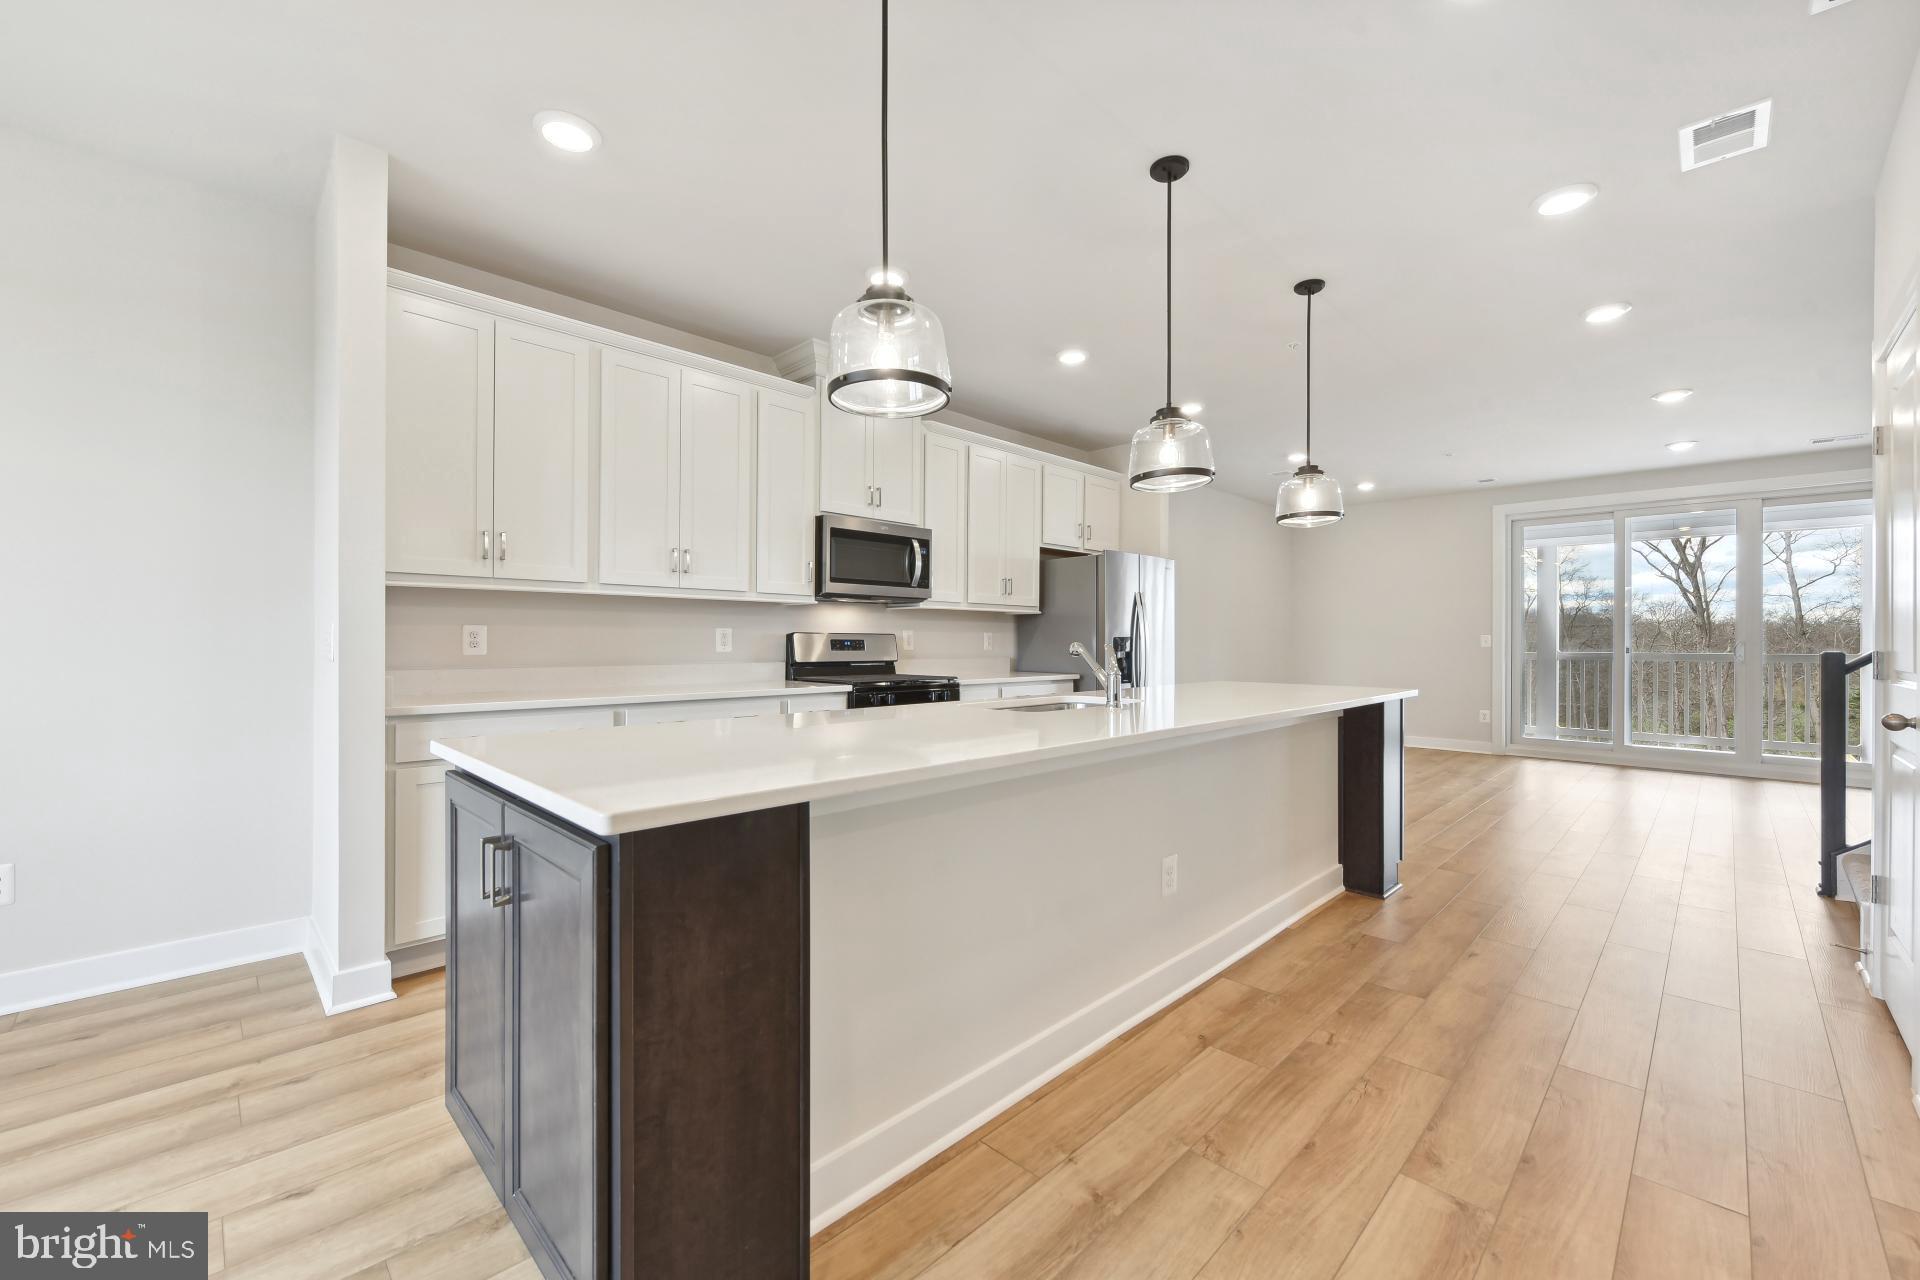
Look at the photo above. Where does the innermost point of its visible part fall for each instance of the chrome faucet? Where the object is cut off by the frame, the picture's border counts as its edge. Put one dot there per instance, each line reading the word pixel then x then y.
pixel 1109 679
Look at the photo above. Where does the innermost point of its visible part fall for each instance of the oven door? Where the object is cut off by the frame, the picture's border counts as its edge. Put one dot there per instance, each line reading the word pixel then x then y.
pixel 873 560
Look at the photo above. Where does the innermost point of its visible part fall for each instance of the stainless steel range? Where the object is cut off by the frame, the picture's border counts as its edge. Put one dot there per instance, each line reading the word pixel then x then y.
pixel 865 660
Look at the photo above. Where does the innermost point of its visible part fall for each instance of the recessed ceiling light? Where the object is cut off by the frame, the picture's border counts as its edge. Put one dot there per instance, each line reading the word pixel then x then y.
pixel 1608 312
pixel 1192 408
pixel 1681 446
pixel 892 276
pixel 1365 486
pixel 1296 458
pixel 567 132
pixel 1674 396
pixel 1072 356
pixel 1565 200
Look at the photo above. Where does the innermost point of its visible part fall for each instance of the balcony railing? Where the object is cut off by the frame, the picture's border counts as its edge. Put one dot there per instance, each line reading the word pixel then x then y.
pixel 1684 700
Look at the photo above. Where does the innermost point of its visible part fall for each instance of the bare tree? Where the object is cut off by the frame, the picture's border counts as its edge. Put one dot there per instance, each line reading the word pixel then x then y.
pixel 1683 562
pixel 1806 558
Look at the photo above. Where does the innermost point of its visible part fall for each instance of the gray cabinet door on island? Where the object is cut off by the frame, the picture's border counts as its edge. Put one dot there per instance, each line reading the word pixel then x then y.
pixel 527 1002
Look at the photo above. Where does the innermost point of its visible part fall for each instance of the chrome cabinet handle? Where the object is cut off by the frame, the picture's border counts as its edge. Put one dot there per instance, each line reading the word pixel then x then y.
pixel 809 573
pixel 486 544
pixel 502 893
pixel 686 559
pixel 1894 722
pixel 869 495
pixel 673 559
pixel 488 847
pixel 879 496
pixel 503 546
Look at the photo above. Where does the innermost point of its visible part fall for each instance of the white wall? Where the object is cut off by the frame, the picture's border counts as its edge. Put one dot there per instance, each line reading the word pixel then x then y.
pixel 532 629
pixel 1896 258
pixel 155 355
pixel 1234 587
pixel 1401 592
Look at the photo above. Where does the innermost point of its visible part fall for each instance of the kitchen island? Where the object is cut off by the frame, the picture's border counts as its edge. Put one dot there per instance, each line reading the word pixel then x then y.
pixel 713 983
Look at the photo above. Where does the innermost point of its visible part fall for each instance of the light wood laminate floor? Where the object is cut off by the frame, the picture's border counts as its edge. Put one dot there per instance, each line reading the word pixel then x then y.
pixel 1603 1032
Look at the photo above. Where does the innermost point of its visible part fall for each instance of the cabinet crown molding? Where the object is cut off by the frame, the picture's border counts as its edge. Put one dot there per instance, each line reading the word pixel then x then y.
pixel 501 308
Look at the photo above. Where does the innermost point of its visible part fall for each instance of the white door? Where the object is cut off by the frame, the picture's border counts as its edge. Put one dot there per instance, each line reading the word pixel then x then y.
pixel 639 470
pixel 844 471
pixel 986 526
pixel 1102 515
pixel 417 870
pixel 788 496
pixel 1896 491
pixel 895 454
pixel 1023 532
pixel 539 454
pixel 716 482
pixel 439 438
pixel 946 516
pixel 1062 520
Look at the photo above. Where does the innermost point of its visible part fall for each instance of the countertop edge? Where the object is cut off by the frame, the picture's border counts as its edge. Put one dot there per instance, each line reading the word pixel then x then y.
pixel 613 825
pixel 696 693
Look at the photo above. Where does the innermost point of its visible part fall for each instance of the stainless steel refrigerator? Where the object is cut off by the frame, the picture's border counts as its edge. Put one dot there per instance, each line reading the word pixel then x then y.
pixel 1115 595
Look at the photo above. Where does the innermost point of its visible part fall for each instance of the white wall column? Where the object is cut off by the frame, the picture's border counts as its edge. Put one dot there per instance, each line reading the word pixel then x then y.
pixel 346 947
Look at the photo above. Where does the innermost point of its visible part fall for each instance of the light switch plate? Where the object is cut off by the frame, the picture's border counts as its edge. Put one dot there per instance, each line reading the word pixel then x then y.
pixel 986 638
pixel 723 639
pixel 1170 875
pixel 1486 717
pixel 906 641
pixel 473 640
pixel 1486 642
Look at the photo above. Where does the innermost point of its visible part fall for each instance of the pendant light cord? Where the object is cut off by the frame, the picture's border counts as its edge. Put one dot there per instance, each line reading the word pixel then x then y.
pixel 1169 293
pixel 1309 450
pixel 886 274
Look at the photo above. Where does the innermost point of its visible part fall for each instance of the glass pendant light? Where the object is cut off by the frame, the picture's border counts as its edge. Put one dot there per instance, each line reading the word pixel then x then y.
pixel 888 353
pixel 1309 497
pixel 1172 452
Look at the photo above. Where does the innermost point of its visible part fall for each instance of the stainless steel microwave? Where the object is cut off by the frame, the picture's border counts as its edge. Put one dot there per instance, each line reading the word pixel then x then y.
pixel 873 560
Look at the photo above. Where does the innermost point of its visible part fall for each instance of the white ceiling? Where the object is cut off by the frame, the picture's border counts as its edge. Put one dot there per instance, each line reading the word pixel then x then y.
pixel 1394 147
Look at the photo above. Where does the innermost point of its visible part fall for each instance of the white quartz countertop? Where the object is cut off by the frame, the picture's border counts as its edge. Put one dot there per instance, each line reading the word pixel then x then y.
pixel 625 693
pixel 612 781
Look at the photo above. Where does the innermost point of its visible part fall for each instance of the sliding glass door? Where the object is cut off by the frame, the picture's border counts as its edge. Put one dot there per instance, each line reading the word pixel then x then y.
pixel 1652 631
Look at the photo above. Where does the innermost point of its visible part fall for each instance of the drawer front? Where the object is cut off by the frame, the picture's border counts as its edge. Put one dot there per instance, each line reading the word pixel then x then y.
pixel 410 737
pixel 699 709
pixel 815 702
pixel 979 692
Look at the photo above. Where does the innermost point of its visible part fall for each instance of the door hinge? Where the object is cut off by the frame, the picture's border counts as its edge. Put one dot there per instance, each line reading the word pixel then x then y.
pixel 1879 891
pixel 1879 441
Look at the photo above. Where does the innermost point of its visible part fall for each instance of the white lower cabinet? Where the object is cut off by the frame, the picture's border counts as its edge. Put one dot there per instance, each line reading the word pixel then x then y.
pixel 417 887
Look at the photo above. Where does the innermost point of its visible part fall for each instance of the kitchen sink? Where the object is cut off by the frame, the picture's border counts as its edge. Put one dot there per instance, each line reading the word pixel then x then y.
pixel 1059 704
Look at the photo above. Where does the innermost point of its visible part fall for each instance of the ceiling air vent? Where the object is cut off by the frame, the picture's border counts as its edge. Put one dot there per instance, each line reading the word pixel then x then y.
pixel 1724 137
pixel 1821 6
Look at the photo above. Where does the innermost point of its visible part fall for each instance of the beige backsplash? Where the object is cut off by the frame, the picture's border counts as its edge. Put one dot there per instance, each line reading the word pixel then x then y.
pixel 542 629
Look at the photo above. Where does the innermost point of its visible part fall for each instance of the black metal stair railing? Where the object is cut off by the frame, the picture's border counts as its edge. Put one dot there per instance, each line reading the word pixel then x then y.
pixel 1835 667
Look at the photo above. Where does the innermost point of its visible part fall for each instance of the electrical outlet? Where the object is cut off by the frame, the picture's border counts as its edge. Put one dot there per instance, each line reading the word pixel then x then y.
pixel 1170 875
pixel 723 639
pixel 6 884
pixel 986 639
pixel 473 640
pixel 1486 717
pixel 906 641
pixel 1486 642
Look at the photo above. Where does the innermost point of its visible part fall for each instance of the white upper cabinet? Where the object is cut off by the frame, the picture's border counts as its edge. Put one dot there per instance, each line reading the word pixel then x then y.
pixel 1102 514
pixel 439 438
pixel 676 476
pixel 1061 519
pixel 716 482
pixel 869 466
pixel 946 517
pixel 787 487
pixel 986 526
pixel 1003 529
pixel 894 445
pixel 539 454
pixel 1023 532
pixel 639 470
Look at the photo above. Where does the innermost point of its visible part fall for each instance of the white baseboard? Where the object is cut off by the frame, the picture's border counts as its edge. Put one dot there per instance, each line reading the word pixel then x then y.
pixel 1474 745
pixel 846 1178
pixel 344 989
pixel 141 966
